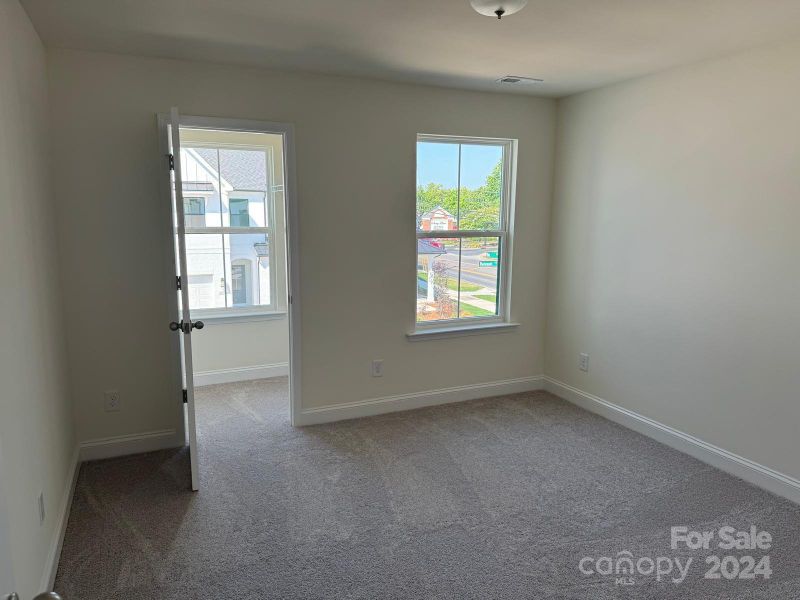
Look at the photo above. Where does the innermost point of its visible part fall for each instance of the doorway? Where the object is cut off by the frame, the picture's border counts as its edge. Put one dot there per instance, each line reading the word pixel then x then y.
pixel 234 222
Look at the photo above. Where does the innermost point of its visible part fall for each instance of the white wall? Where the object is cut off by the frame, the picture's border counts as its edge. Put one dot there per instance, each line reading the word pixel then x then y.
pixel 36 433
pixel 356 188
pixel 675 246
pixel 229 346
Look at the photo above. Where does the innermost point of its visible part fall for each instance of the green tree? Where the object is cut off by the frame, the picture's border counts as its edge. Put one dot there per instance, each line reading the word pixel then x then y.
pixel 480 208
pixel 435 194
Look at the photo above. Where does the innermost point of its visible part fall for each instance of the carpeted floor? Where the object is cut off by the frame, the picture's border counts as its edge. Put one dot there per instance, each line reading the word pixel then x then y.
pixel 497 498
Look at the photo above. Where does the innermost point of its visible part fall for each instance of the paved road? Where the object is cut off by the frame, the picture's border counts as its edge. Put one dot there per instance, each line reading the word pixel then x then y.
pixel 470 270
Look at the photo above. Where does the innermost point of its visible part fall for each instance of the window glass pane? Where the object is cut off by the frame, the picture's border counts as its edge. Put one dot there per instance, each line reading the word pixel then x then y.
pixel 194 206
pixel 201 183
pixel 248 256
pixel 460 189
pixel 194 212
pixel 239 284
pixel 240 212
pixel 205 270
pixel 437 279
pixel 244 174
pixel 437 186
pixel 481 187
pixel 480 261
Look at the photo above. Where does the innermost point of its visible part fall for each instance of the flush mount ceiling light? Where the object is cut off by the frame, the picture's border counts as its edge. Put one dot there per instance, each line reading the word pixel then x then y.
pixel 519 80
pixel 498 8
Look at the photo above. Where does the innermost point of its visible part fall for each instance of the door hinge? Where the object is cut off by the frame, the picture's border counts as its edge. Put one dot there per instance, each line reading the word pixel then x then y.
pixel 185 396
pixel 178 281
pixel 171 160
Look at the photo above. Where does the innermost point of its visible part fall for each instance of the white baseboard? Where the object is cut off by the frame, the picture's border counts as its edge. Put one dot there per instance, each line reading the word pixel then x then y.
pixel 130 444
pixel 240 374
pixel 387 404
pixel 750 471
pixel 54 554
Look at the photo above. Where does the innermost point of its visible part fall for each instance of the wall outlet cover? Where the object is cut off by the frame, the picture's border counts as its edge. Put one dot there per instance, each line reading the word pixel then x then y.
pixel 377 368
pixel 112 401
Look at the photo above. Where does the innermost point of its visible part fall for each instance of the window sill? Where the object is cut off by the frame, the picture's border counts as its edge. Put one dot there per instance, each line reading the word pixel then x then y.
pixel 437 333
pixel 233 317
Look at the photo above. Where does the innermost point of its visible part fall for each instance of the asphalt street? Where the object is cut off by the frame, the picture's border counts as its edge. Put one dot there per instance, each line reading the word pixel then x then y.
pixel 471 271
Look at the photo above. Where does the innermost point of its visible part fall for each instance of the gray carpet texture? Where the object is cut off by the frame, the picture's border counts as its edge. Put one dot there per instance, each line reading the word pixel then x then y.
pixel 499 498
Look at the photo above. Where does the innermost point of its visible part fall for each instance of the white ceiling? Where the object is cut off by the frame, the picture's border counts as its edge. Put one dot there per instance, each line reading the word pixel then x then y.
pixel 573 45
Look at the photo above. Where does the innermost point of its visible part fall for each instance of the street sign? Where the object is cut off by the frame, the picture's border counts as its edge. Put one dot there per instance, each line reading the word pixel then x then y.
pixel 487 263
pixel 492 254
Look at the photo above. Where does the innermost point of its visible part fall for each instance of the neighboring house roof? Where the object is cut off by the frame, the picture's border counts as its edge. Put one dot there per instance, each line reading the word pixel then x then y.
pixel 242 169
pixel 436 211
pixel 428 246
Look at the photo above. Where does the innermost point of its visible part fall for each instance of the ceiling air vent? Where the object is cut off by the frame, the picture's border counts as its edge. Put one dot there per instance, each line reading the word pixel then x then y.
pixel 518 80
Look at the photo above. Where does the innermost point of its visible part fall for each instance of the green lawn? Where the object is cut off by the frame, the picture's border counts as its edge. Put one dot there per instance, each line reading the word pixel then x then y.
pixel 487 297
pixel 467 310
pixel 452 283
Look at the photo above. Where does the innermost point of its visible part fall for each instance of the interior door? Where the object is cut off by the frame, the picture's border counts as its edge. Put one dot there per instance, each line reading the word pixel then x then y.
pixel 184 326
pixel 6 572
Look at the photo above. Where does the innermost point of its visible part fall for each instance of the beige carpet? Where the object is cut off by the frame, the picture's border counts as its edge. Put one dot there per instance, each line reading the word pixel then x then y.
pixel 497 498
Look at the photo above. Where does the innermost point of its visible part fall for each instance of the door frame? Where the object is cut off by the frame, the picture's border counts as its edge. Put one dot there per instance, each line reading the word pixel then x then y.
pixel 292 241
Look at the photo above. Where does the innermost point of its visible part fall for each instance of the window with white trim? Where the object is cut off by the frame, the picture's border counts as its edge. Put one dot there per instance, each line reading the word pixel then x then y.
pixel 463 214
pixel 229 202
pixel 240 212
pixel 194 212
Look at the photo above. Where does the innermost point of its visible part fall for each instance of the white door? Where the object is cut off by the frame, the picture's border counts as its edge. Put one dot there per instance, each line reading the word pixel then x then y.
pixel 185 326
pixel 6 573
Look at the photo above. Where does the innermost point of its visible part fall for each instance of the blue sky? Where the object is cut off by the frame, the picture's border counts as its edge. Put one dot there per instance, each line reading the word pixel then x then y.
pixel 438 163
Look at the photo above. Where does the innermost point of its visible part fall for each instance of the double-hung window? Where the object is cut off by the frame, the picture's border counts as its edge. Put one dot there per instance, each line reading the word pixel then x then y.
pixel 231 263
pixel 464 208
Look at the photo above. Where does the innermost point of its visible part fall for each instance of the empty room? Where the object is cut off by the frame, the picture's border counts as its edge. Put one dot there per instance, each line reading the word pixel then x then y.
pixel 393 299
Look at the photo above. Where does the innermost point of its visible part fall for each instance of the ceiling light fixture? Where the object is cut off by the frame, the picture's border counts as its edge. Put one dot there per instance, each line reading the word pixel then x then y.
pixel 498 8
pixel 519 79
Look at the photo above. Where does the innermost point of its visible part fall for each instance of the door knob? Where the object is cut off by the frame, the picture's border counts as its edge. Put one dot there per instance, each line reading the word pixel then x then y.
pixel 186 327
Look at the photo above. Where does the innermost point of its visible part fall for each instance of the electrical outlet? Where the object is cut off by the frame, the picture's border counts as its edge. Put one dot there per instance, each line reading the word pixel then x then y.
pixel 40 504
pixel 583 361
pixel 112 401
pixel 377 368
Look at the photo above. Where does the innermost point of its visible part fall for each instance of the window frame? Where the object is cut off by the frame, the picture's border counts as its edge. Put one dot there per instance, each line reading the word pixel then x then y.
pixel 504 233
pixel 274 308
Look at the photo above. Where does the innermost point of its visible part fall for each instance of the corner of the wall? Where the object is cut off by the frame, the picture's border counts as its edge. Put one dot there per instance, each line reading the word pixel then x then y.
pixel 750 471
pixel 123 445
pixel 54 553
